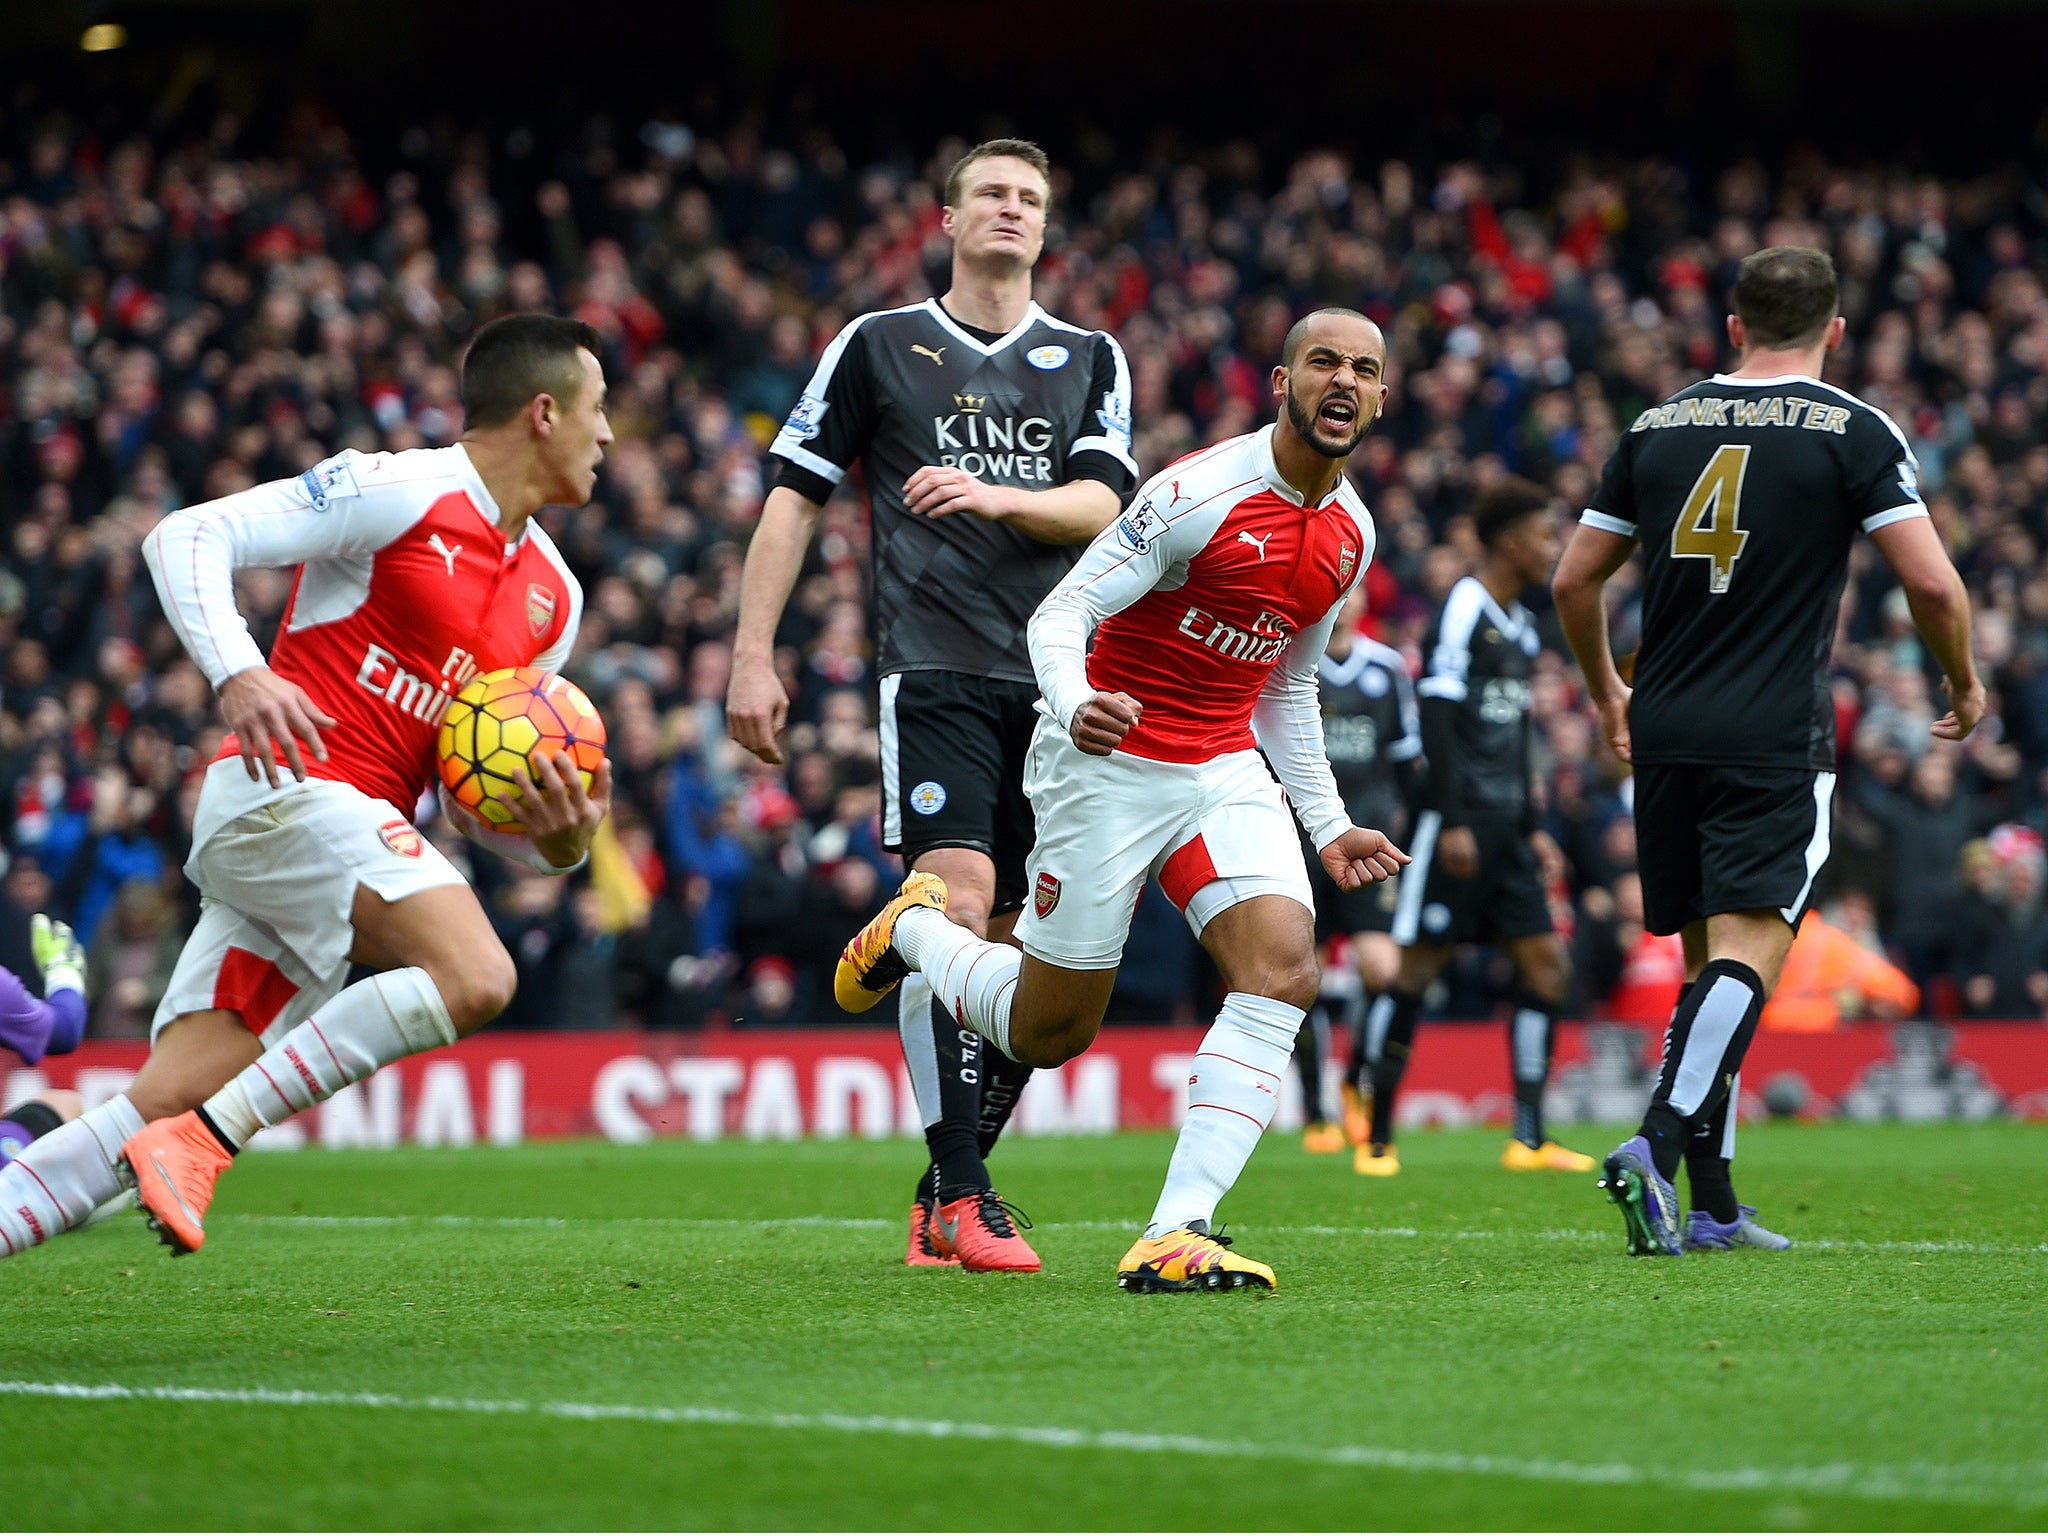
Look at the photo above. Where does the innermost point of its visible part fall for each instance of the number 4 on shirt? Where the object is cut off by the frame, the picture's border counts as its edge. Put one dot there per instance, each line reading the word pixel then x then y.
pixel 1709 525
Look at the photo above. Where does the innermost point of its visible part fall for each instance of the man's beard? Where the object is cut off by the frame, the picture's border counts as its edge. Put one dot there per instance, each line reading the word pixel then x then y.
pixel 1303 421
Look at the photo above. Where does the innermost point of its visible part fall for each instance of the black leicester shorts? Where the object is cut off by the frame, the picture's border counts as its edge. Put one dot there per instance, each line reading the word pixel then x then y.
pixel 1504 900
pixel 1369 909
pixel 953 748
pixel 1712 840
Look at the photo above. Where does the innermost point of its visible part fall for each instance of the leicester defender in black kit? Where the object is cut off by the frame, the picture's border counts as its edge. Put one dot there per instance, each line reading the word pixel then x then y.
pixel 1478 870
pixel 1745 493
pixel 996 443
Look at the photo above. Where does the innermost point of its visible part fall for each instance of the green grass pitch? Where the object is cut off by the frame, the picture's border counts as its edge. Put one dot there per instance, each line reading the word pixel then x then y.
pixel 581 1335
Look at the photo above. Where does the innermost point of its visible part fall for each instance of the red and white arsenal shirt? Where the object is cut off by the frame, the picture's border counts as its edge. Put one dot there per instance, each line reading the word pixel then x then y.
pixel 405 589
pixel 1210 602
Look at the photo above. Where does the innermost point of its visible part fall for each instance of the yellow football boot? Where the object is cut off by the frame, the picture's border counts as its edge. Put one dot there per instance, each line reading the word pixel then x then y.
pixel 869 966
pixel 1520 1157
pixel 1381 1162
pixel 1189 1259
pixel 1322 1137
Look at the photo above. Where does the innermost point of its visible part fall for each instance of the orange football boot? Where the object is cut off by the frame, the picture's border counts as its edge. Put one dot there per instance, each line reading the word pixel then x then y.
pixel 869 966
pixel 175 1163
pixel 1357 1115
pixel 977 1230
pixel 923 1252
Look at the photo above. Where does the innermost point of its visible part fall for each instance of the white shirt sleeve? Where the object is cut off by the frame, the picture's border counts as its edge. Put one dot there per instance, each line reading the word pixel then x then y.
pixel 1127 559
pixel 328 512
pixel 1288 720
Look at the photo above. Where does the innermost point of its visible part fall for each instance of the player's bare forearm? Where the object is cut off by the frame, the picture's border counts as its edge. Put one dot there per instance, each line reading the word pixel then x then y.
pixel 1940 606
pixel 1064 514
pixel 1580 591
pixel 756 705
pixel 774 557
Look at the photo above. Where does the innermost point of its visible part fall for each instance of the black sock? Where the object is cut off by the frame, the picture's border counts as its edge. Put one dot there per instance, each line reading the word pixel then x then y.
pixel 928 1185
pixel 1357 1070
pixel 1311 1046
pixel 1390 1030
pixel 954 1138
pixel 1710 1034
pixel 219 1135
pixel 1530 1034
pixel 34 1117
pixel 1002 1085
pixel 1708 1166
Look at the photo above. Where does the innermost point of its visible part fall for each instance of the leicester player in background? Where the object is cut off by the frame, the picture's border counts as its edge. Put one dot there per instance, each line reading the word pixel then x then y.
pixel 1480 859
pixel 996 441
pixel 1745 493
pixel 1372 735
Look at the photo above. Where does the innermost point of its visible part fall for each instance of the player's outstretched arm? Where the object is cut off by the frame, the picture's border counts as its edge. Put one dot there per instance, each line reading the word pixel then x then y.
pixel 1063 514
pixel 1580 590
pixel 756 705
pixel 1940 605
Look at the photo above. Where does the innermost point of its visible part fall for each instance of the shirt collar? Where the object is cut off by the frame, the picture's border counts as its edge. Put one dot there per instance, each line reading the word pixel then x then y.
pixel 473 483
pixel 1277 482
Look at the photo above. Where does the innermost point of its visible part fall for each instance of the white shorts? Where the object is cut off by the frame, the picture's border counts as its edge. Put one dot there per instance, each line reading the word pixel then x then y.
pixel 1214 834
pixel 278 886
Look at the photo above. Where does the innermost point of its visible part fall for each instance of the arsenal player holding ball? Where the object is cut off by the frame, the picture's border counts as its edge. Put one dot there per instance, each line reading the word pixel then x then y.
pixel 415 572
pixel 1210 603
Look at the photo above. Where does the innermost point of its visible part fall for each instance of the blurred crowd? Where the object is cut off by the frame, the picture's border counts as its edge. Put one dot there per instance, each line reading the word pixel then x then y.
pixel 179 320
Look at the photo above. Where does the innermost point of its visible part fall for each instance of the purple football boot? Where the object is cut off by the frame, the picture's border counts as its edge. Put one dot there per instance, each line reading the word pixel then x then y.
pixel 1703 1234
pixel 1649 1205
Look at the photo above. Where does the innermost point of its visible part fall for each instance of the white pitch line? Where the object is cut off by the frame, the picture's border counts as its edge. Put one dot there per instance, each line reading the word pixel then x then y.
pixel 866 1223
pixel 2025 1484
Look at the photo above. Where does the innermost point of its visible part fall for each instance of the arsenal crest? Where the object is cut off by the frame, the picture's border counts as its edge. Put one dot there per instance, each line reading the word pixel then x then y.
pixel 540 608
pixel 400 838
pixel 1045 895
pixel 1347 562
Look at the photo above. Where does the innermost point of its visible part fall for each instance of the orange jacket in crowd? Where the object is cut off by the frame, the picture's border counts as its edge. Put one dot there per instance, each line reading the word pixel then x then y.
pixel 1827 967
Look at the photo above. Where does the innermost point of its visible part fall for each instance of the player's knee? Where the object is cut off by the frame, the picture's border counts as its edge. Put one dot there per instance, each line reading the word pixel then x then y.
pixel 478 990
pixel 1291 979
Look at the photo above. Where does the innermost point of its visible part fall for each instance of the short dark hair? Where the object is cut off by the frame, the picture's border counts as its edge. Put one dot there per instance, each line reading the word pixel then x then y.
pixel 516 357
pixel 1298 332
pixel 1786 295
pixel 1505 503
pixel 990 149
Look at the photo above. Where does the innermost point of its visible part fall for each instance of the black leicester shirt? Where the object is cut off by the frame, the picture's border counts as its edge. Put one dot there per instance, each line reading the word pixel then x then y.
pixel 1371 732
pixel 1044 405
pixel 1746 494
pixel 1475 706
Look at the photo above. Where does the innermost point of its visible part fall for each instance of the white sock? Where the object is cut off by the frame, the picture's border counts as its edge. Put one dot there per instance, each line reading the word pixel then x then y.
pixel 379 1020
pixel 1231 1099
pixel 62 1178
pixel 914 1027
pixel 973 977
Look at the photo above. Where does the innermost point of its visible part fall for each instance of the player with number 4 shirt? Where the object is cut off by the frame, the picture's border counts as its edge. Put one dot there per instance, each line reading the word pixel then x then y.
pixel 1745 493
